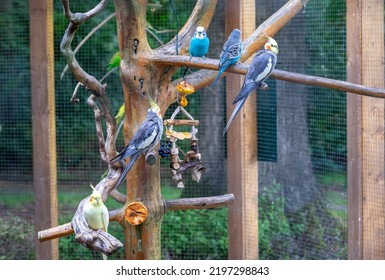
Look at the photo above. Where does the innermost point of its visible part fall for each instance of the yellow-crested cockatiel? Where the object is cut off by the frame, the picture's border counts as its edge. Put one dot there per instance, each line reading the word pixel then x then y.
pixel 96 213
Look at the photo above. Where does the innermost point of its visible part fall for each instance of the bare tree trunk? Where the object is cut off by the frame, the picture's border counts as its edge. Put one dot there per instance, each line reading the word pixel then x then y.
pixel 139 79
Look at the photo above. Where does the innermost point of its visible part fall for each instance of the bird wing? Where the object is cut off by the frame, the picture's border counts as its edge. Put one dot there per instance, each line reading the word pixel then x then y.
pixel 259 70
pixel 105 218
pixel 142 140
pixel 231 52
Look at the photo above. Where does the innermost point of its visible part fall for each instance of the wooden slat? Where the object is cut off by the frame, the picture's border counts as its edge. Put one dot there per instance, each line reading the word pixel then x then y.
pixel 242 148
pixel 43 123
pixel 372 71
pixel 354 53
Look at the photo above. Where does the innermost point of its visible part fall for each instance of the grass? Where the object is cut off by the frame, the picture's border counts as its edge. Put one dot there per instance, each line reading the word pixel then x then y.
pixel 333 179
pixel 335 191
pixel 17 200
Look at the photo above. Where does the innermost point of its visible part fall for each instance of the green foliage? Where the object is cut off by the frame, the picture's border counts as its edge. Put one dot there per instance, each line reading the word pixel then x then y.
pixel 273 227
pixel 184 236
pixel 16 239
pixel 312 232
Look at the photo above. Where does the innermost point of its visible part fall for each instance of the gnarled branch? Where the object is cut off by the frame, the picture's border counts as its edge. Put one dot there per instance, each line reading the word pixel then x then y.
pixel 89 81
pixel 97 240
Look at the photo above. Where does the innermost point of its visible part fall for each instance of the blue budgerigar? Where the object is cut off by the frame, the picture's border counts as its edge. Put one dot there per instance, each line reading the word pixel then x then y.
pixel 231 52
pixel 259 70
pixel 145 138
pixel 199 44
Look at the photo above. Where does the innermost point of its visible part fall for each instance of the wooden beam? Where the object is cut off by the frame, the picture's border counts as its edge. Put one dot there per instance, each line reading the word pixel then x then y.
pixel 354 166
pixel 242 148
pixel 43 123
pixel 373 188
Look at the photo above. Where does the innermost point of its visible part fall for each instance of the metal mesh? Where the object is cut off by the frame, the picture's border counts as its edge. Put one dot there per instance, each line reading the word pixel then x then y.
pixel 302 174
pixel 302 138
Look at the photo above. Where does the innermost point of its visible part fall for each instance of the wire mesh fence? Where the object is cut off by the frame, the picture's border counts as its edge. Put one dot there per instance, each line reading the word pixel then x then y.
pixel 302 136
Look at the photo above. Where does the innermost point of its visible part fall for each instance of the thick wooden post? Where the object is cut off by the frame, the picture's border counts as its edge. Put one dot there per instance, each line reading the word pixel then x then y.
pixel 373 130
pixel 354 54
pixel 242 148
pixel 366 131
pixel 43 123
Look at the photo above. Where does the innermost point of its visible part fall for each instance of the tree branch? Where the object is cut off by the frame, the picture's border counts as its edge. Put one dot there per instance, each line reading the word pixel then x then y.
pixel 271 26
pixel 89 81
pixel 201 15
pixel 85 39
pixel 79 18
pixel 200 202
pixel 97 240
pixel 99 128
pixel 241 68
pixel 172 205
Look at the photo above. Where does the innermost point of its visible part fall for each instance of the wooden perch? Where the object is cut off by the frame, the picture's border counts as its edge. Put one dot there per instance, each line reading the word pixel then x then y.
pixel 241 68
pixel 200 202
pixel 181 122
pixel 171 205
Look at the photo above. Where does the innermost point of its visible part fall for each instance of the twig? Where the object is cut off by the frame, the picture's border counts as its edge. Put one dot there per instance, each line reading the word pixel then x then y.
pixel 74 99
pixel 108 73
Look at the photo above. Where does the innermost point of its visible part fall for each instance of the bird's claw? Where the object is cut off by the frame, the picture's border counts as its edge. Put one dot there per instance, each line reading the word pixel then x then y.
pixel 264 86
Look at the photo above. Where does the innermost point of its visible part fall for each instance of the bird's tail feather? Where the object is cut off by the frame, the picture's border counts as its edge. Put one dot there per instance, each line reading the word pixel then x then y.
pixel 125 171
pixel 235 112
pixel 127 152
pixel 104 257
pixel 116 158
pixel 216 79
pixel 245 91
